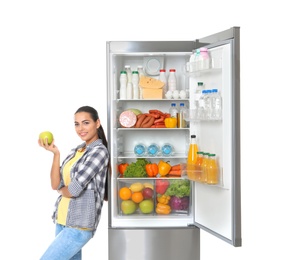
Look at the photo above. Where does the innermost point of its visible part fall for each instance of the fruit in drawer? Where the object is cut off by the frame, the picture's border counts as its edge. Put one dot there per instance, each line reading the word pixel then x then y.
pixel 137 197
pixel 137 186
pixel 147 193
pixel 128 207
pixel 125 193
pixel 148 185
pixel 146 206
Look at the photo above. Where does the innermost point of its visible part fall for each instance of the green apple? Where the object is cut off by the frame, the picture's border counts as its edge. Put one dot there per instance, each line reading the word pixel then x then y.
pixel 128 207
pixel 44 135
pixel 146 206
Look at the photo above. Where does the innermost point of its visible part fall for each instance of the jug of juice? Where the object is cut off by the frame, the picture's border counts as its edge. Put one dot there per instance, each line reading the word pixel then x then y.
pixel 212 173
pixel 205 167
pixel 199 163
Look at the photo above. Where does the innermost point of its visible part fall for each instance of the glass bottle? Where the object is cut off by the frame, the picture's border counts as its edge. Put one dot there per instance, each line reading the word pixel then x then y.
pixel 181 115
pixel 192 158
pixel 204 167
pixel 193 149
pixel 199 163
pixel 212 173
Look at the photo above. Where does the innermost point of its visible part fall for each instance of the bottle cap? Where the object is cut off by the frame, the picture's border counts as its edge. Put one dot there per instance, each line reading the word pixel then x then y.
pixel 172 70
pixel 135 72
pixel 162 70
pixel 123 72
pixel 200 83
pixel 193 136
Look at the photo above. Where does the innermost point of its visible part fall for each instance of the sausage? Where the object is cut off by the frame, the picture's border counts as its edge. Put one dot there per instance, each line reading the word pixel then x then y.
pixel 140 119
pixel 149 123
pixel 145 121
pixel 161 119
pixel 127 119
pixel 153 114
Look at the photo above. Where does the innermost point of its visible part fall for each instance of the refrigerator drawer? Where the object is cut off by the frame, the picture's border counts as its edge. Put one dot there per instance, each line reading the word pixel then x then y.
pixel 154 243
pixel 153 197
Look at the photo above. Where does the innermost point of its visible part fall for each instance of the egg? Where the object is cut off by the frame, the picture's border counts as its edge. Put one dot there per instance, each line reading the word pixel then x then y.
pixel 168 94
pixel 175 94
pixel 182 94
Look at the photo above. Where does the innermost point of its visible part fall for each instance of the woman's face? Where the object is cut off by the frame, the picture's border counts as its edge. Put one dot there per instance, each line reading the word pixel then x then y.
pixel 85 127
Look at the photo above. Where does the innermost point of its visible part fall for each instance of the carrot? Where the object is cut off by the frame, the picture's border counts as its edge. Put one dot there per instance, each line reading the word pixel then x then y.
pixel 175 172
pixel 176 167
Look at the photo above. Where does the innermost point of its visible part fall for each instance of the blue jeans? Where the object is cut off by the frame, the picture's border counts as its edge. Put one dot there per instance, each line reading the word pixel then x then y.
pixel 67 244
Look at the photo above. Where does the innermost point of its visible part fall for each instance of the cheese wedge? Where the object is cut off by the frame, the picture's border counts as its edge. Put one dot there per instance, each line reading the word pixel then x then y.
pixel 152 93
pixel 148 82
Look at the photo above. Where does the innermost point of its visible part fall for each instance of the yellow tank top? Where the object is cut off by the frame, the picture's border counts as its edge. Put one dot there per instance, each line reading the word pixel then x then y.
pixel 64 202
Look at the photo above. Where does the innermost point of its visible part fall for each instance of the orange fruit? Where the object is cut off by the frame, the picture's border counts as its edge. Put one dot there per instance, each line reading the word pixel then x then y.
pixel 137 196
pixel 125 193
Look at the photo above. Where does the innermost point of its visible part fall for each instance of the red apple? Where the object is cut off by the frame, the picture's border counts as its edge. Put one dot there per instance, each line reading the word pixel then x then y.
pixel 147 193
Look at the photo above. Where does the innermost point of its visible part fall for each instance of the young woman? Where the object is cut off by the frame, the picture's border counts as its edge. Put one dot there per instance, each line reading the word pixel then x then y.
pixel 81 181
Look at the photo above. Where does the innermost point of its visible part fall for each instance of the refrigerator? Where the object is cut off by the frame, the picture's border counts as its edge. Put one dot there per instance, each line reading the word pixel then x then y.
pixel 215 209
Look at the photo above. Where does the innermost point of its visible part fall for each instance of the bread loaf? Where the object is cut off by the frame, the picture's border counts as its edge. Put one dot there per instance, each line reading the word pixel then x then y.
pixel 147 82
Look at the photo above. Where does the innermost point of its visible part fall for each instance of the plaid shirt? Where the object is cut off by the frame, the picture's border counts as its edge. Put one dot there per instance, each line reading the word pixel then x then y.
pixel 87 186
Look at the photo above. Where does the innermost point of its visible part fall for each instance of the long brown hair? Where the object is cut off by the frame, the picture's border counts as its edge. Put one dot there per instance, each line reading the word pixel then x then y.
pixel 101 135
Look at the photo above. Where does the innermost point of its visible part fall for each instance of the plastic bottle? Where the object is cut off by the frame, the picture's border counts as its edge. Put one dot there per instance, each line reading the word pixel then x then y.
pixel 216 105
pixel 167 149
pixel 162 77
pixel 205 58
pixel 129 90
pixel 181 116
pixel 201 111
pixel 123 85
pixel 140 71
pixel 140 150
pixel 198 93
pixel 172 82
pixel 191 66
pixel 140 74
pixel 212 172
pixel 207 98
pixel 129 72
pixel 173 110
pixel 153 150
pixel 198 60
pixel 135 82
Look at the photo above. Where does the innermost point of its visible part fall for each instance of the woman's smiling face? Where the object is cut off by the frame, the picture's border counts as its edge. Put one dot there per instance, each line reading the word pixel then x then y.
pixel 85 127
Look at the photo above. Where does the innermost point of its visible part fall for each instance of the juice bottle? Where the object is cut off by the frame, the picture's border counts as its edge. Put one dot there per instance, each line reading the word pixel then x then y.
pixel 193 149
pixel 192 158
pixel 199 163
pixel 204 168
pixel 212 173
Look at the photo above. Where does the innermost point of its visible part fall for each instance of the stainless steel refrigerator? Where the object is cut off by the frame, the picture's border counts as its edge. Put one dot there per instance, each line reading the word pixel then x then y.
pixel 212 208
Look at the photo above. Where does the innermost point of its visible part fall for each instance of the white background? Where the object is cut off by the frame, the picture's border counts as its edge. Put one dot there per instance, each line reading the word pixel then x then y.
pixel 53 60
